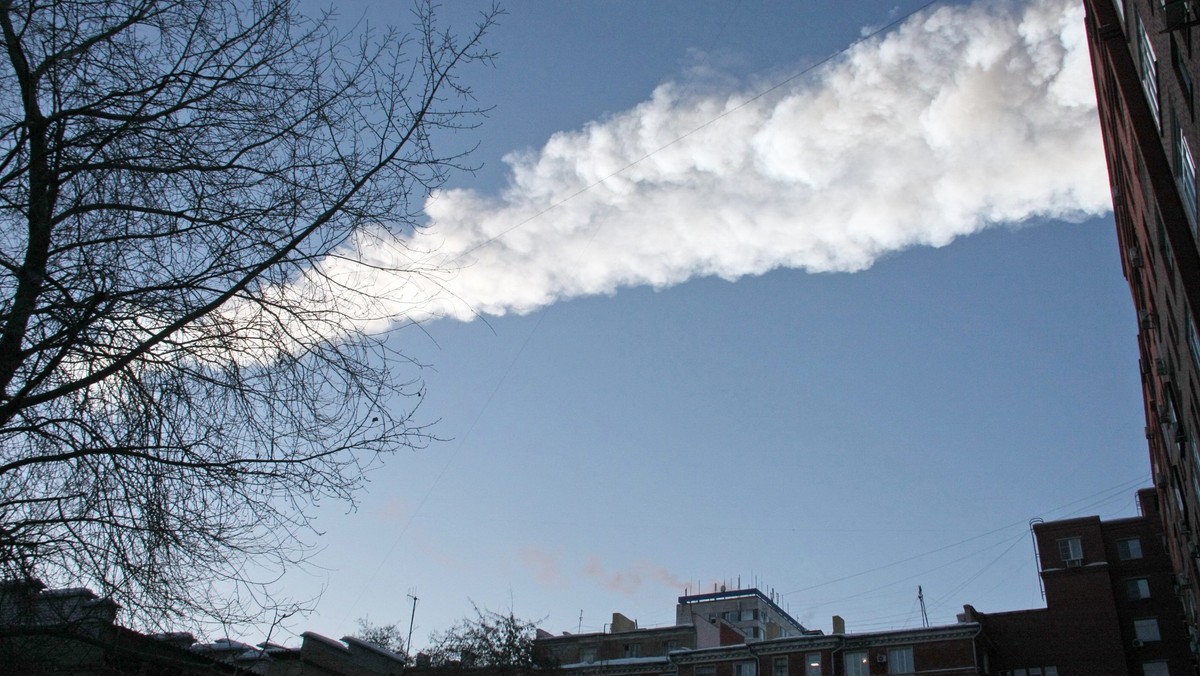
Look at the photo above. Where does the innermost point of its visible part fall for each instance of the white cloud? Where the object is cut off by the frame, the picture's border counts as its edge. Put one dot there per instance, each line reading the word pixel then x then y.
pixel 959 119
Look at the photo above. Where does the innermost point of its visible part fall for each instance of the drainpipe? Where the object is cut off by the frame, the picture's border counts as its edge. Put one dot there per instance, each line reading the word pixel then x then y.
pixel 834 653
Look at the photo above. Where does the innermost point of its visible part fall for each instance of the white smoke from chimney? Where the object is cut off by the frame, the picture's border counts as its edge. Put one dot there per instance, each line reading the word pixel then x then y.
pixel 959 119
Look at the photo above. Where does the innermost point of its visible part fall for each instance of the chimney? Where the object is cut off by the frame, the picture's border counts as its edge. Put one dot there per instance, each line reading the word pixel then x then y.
pixel 839 625
pixel 622 623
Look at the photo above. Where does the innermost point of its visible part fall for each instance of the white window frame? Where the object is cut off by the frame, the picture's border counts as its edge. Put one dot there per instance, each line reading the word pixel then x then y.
pixel 1185 173
pixel 812 664
pixel 1071 549
pixel 857 663
pixel 1193 339
pixel 900 660
pixel 1148 67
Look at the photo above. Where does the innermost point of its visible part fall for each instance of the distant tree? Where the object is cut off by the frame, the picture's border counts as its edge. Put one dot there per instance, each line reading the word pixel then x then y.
pixel 180 384
pixel 386 636
pixel 501 642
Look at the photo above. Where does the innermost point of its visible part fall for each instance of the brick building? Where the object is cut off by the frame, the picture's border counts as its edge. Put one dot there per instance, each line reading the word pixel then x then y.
pixel 72 632
pixel 1110 608
pixel 1145 63
pixel 701 621
pixel 952 650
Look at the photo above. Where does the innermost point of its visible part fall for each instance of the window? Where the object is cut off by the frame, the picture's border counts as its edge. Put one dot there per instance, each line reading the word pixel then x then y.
pixel 1138 588
pixel 706 670
pixel 1185 173
pixel 747 668
pixel 730 616
pixel 1070 549
pixel 1149 68
pixel 633 650
pixel 1146 629
pixel 1050 671
pixel 752 632
pixel 1179 60
pixel 1193 339
pixel 900 661
pixel 857 664
pixel 1155 669
pixel 1129 548
pixel 671 644
pixel 812 664
pixel 748 615
pixel 587 655
pixel 779 666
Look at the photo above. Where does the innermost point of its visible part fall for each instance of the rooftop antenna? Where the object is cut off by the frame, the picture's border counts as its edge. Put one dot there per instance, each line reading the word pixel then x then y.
pixel 924 615
pixel 580 629
pixel 412 618
pixel 1037 557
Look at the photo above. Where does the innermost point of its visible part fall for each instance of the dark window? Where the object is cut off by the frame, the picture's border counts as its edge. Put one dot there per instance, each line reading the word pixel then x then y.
pixel 1129 548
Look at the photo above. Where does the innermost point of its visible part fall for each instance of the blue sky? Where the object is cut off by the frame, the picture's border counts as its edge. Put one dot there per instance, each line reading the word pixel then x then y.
pixel 841 417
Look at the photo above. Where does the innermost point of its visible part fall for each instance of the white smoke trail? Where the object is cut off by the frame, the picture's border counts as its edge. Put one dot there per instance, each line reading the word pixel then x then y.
pixel 959 119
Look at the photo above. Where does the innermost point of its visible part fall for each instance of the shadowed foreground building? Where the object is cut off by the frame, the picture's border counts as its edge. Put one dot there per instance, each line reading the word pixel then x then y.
pixel 1144 59
pixel 71 632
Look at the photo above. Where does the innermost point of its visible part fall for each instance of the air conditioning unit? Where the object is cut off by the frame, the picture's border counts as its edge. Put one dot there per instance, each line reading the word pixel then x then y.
pixel 1147 320
pixel 1074 563
pixel 1161 366
pixel 881 658
pixel 1135 256
pixel 1137 643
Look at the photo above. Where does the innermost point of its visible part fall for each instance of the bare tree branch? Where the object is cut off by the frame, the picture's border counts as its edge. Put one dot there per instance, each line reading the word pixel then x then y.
pixel 168 417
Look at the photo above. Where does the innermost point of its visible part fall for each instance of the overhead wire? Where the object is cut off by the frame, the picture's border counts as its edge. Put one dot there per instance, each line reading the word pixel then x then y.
pixel 1082 504
pixel 456 450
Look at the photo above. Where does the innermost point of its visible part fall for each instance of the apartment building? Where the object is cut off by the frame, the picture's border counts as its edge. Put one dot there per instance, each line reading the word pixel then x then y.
pixel 1145 62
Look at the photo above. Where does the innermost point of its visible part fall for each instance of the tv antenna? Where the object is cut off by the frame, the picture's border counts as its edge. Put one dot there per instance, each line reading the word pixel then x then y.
pixel 411 619
pixel 924 615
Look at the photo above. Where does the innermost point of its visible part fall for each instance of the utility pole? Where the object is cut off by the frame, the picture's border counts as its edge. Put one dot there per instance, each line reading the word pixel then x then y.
pixel 411 619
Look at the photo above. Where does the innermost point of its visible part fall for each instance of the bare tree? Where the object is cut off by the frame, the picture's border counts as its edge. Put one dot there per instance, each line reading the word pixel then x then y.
pixel 168 416
pixel 386 636
pixel 501 643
